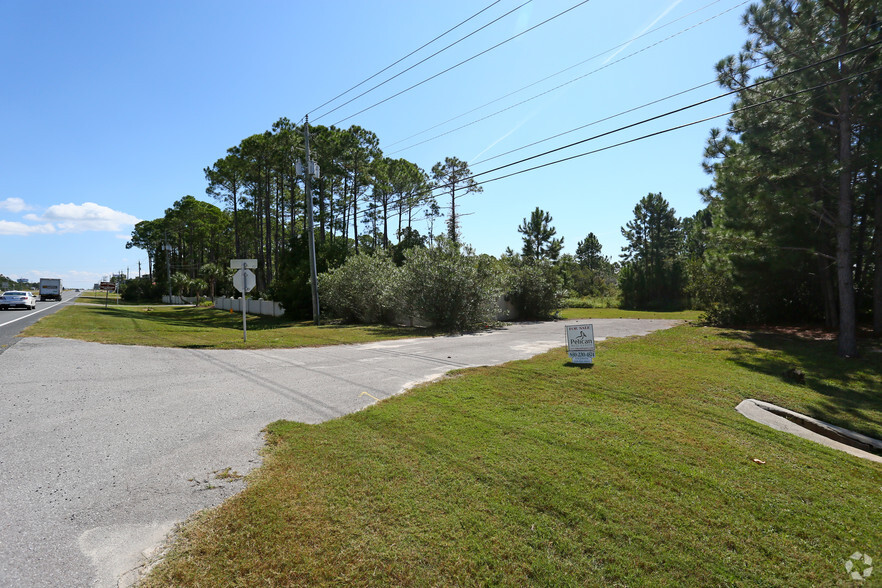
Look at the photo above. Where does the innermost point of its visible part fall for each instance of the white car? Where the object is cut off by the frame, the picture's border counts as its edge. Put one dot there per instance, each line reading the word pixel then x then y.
pixel 17 298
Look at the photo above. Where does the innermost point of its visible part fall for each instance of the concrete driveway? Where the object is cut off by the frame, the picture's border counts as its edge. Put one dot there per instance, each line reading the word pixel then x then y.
pixel 103 448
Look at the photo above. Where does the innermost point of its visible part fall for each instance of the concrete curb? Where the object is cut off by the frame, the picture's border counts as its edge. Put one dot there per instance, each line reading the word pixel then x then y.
pixel 782 419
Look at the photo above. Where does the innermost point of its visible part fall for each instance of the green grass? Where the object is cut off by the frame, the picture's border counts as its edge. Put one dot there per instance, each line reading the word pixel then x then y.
pixel 634 472
pixel 592 302
pixel 598 313
pixel 199 327
pixel 96 297
pixel 129 323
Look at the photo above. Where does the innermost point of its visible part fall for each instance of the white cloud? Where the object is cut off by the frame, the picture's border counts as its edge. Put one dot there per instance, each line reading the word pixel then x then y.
pixel 78 218
pixel 14 205
pixel 16 228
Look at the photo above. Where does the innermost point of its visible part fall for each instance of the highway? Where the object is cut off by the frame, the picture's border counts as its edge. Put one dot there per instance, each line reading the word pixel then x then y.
pixel 14 321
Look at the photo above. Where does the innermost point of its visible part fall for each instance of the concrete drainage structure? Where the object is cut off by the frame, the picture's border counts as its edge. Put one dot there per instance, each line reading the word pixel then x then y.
pixel 812 429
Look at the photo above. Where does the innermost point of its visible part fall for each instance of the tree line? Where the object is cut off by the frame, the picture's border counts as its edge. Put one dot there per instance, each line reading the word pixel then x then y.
pixel 362 200
pixel 791 229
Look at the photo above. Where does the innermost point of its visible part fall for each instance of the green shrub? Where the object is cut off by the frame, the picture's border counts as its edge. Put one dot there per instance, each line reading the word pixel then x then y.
pixel 361 290
pixel 140 290
pixel 536 289
pixel 450 288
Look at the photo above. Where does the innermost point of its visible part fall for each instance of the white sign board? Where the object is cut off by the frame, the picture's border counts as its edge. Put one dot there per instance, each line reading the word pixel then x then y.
pixel 580 343
pixel 243 263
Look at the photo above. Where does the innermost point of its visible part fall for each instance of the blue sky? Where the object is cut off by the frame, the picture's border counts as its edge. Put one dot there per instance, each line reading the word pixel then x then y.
pixel 111 110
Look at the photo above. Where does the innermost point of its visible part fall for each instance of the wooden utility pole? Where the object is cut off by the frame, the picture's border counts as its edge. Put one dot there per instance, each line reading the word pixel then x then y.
pixel 307 175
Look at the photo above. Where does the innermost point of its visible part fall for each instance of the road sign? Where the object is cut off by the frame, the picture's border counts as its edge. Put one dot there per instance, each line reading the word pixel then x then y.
pixel 244 280
pixel 580 343
pixel 243 263
pixel 108 287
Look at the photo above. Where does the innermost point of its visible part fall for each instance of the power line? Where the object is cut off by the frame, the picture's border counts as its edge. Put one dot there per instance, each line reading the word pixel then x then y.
pixel 558 87
pixel 693 105
pixel 406 56
pixel 575 65
pixel 753 86
pixel 640 107
pixel 422 61
pixel 676 128
pixel 462 62
pixel 596 122
pixel 663 131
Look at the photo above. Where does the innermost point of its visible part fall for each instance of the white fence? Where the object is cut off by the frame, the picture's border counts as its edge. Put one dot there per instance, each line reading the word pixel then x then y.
pixel 506 311
pixel 259 306
pixel 255 306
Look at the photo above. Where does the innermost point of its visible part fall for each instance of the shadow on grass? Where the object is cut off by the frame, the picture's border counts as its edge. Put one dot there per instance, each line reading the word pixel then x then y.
pixel 581 366
pixel 196 317
pixel 210 318
pixel 850 387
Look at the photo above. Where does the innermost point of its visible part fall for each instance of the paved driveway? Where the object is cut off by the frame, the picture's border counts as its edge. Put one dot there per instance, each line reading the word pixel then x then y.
pixel 104 447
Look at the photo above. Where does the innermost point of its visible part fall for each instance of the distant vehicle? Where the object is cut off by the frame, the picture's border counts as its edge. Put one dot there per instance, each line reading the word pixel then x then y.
pixel 50 289
pixel 17 299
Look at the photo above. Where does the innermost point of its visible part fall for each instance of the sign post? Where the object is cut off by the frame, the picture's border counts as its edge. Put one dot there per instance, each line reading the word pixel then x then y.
pixel 108 287
pixel 580 343
pixel 244 281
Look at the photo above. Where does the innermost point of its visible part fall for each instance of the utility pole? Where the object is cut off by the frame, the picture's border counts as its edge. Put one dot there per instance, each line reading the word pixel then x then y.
pixel 307 176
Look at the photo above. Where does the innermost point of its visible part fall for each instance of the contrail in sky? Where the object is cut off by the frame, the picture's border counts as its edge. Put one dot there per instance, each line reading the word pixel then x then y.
pixel 622 48
pixel 494 143
pixel 646 28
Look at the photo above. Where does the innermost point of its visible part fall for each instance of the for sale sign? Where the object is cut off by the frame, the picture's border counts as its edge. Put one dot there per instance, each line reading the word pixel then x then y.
pixel 580 343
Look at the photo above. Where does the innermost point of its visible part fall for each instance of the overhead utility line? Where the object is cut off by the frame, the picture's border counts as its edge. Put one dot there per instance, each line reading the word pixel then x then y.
pixel 422 61
pixel 663 131
pixel 575 65
pixel 640 107
pixel 653 134
pixel 462 62
pixel 364 81
pixel 671 112
pixel 676 128
pixel 567 83
pixel 693 105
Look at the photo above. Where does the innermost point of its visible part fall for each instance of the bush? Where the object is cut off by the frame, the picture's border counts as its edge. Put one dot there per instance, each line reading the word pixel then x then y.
pixel 536 290
pixel 451 289
pixel 141 290
pixel 361 290
pixel 291 286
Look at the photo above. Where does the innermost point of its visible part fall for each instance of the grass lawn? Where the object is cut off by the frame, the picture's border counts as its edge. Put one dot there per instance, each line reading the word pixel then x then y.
pixel 160 325
pixel 192 327
pixel 637 471
pixel 109 298
pixel 605 313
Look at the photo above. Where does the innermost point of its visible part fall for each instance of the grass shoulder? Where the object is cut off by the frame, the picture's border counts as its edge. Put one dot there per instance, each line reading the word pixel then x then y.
pixel 201 327
pixel 636 471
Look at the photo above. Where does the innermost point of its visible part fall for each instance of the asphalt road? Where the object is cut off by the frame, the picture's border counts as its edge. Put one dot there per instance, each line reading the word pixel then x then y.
pixel 103 448
pixel 14 320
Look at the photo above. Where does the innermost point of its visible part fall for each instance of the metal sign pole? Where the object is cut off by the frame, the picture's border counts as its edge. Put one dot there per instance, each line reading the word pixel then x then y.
pixel 244 304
